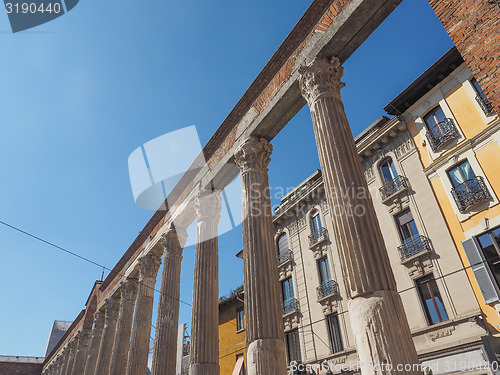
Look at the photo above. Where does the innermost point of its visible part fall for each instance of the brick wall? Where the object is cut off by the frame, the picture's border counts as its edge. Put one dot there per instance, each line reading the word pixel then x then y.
pixel 474 27
pixel 16 368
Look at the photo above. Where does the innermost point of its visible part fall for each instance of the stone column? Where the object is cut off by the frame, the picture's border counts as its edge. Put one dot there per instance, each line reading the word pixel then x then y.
pixel 81 351
pixel 165 347
pixel 71 356
pixel 121 346
pixel 108 336
pixel 141 332
pixel 266 352
pixel 64 360
pixel 378 320
pixel 95 343
pixel 204 356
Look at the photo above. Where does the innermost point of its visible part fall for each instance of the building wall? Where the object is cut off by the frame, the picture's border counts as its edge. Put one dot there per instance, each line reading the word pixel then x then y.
pixel 478 143
pixel 12 368
pixel 231 341
pixel 474 27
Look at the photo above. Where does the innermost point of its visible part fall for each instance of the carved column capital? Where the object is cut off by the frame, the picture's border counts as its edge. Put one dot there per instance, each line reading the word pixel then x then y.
pixel 98 319
pixel 112 306
pixel 208 205
pixel 149 265
pixel 128 289
pixel 174 239
pixel 321 78
pixel 253 154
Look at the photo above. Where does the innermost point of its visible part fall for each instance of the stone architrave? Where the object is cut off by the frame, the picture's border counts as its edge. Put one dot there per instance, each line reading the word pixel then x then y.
pixel 95 343
pixel 378 320
pixel 121 346
pixel 141 331
pixel 266 352
pixel 204 356
pixel 165 346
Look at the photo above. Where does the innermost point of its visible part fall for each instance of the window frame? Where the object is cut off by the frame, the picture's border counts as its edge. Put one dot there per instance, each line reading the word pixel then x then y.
pixel 320 262
pixel 419 283
pixel 496 246
pixel 291 293
pixel 240 322
pixel 333 346
pixel 296 342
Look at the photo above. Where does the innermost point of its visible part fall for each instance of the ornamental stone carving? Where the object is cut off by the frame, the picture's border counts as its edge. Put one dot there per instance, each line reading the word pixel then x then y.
pixel 129 290
pixel 173 240
pixel 321 78
pixel 253 154
pixel 208 205
pixel 149 265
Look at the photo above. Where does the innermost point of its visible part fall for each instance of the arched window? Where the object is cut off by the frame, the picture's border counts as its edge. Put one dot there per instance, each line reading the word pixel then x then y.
pixel 434 118
pixel 316 222
pixel 388 170
pixel 282 245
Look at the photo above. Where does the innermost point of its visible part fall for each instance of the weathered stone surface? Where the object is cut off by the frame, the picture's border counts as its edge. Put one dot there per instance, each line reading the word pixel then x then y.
pixel 377 317
pixel 95 343
pixel 263 315
pixel 108 336
pixel 83 338
pixel 165 347
pixel 204 358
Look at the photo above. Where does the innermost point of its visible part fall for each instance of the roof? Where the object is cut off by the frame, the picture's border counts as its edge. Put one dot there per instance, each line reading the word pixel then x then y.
pixel 58 330
pixel 423 84
pixel 21 359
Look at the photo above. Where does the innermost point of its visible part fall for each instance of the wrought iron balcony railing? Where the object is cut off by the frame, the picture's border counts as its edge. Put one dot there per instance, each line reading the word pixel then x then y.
pixel 442 133
pixel 484 103
pixel 285 256
pixel 470 193
pixel 290 306
pixel 327 288
pixel 393 186
pixel 413 246
pixel 318 236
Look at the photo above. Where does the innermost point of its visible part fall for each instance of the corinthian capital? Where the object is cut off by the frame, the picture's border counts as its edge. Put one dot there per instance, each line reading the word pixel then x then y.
pixel 322 77
pixel 112 305
pixel 208 205
pixel 149 265
pixel 98 319
pixel 174 239
pixel 253 154
pixel 128 290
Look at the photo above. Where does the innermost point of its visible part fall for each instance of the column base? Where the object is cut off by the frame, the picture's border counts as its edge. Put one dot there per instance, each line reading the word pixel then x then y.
pixel 382 334
pixel 263 357
pixel 204 369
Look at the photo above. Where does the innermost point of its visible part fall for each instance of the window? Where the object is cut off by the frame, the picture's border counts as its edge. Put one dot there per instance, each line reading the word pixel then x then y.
pixel 481 98
pixel 240 319
pixel 406 225
pixel 440 130
pixel 287 289
pixel 324 270
pixel 431 299
pixel 293 346
pixel 434 118
pixel 490 245
pixel 334 333
pixel 388 170
pixel 284 254
pixel 240 365
pixel 316 223
pixel 461 173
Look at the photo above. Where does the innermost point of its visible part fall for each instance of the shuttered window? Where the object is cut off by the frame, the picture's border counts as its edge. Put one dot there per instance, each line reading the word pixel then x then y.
pixel 481 269
pixel 282 244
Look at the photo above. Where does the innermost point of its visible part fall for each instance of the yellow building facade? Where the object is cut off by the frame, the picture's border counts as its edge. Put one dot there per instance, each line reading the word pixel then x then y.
pixel 231 335
pixel 457 136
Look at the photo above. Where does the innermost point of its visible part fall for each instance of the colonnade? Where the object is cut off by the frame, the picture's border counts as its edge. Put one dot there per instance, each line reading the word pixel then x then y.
pixel 118 342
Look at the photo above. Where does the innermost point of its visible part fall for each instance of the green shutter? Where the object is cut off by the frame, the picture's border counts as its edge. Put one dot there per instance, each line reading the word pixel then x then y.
pixel 481 270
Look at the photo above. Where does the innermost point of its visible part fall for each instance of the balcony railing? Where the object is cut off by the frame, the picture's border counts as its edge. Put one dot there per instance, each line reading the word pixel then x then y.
pixel 442 133
pixel 484 103
pixel 413 246
pixel 285 256
pixel 318 236
pixel 290 306
pixel 470 193
pixel 327 288
pixel 393 186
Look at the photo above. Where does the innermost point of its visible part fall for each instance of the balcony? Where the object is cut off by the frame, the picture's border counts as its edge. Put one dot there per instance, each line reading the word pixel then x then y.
pixel 290 306
pixel 400 183
pixel 318 236
pixel 285 257
pixel 484 103
pixel 414 246
pixel 470 193
pixel 442 133
pixel 327 288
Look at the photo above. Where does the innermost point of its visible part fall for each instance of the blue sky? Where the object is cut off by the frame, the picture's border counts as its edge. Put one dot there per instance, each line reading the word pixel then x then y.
pixel 80 93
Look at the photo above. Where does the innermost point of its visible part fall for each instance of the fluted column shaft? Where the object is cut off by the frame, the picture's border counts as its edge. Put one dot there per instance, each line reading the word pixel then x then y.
pixel 64 361
pixel 95 343
pixel 71 357
pixel 108 336
pixel 377 316
pixel 81 351
pixel 141 331
pixel 204 356
pixel 266 352
pixel 165 346
pixel 121 345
